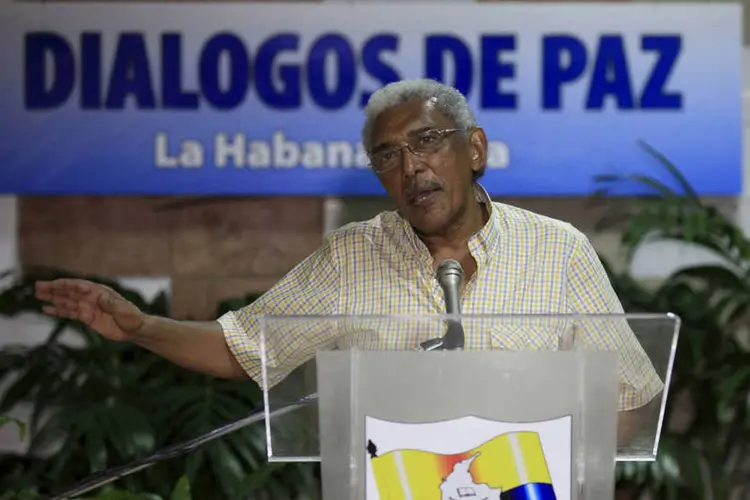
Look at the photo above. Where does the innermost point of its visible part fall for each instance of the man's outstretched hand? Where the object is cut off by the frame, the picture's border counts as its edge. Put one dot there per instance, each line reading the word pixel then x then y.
pixel 97 306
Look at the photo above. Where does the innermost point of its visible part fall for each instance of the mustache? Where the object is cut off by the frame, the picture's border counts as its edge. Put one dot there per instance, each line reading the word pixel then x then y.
pixel 417 187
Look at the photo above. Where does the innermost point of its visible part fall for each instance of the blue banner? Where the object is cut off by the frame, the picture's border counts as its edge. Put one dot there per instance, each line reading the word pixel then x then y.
pixel 267 99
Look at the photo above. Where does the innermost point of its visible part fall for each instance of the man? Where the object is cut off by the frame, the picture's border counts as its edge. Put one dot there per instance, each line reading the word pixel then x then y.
pixel 428 152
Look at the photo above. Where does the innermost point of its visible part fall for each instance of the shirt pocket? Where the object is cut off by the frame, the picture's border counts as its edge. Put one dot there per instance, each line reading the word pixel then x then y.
pixel 530 334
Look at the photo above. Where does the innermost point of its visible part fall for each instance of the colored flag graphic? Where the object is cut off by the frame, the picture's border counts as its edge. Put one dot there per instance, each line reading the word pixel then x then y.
pixel 511 465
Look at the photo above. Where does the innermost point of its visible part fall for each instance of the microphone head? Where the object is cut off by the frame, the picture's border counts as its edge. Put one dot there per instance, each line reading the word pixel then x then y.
pixel 450 268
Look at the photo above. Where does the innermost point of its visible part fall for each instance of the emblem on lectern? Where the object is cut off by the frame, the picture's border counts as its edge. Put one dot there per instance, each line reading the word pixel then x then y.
pixel 469 458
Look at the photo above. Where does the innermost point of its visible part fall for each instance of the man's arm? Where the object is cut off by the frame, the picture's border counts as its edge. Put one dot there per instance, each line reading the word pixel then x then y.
pixel 226 348
pixel 230 346
pixel 590 292
pixel 196 346
pixel 192 345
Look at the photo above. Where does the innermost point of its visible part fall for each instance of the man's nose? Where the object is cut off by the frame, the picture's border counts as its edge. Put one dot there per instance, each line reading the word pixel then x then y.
pixel 411 163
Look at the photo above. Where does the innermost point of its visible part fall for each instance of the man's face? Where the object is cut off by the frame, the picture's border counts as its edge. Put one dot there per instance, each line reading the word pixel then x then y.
pixel 433 187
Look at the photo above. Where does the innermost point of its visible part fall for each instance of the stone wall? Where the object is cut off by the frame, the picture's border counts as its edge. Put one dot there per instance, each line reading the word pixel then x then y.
pixel 212 249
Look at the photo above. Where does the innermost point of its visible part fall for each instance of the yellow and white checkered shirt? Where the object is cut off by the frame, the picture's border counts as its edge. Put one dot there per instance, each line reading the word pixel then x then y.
pixel 526 264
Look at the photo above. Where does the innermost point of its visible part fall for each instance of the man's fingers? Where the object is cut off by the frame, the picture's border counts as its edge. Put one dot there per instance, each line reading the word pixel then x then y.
pixel 73 288
pixel 66 284
pixel 74 299
pixel 66 303
pixel 43 290
pixel 61 312
pixel 51 310
pixel 67 288
pixel 70 310
pixel 62 304
pixel 71 294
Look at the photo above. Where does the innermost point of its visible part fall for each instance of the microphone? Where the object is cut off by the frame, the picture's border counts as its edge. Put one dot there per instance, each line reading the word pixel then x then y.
pixel 450 274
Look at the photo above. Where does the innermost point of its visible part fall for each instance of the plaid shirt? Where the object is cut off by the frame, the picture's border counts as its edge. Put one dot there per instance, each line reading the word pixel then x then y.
pixel 526 264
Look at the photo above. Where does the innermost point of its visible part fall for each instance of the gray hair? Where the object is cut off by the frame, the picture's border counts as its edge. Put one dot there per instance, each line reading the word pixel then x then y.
pixel 449 101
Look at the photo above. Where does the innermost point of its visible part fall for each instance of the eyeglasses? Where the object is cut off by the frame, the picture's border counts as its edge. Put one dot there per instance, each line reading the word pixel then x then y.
pixel 422 143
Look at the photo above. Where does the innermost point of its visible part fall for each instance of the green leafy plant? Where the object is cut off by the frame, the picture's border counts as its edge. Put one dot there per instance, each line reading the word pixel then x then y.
pixel 181 491
pixel 107 403
pixel 705 456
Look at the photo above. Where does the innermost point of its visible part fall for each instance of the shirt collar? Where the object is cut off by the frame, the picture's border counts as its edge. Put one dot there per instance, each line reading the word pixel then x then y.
pixel 482 245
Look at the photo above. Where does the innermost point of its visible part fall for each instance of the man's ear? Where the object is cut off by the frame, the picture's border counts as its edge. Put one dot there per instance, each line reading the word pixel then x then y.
pixel 477 149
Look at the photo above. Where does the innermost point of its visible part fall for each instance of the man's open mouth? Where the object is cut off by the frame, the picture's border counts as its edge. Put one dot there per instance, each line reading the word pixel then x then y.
pixel 422 196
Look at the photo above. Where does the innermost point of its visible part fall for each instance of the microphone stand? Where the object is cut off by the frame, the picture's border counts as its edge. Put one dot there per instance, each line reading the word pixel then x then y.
pixel 452 340
pixel 108 476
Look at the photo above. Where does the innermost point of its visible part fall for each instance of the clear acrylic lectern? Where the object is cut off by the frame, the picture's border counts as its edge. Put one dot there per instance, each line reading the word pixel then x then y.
pixel 533 407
